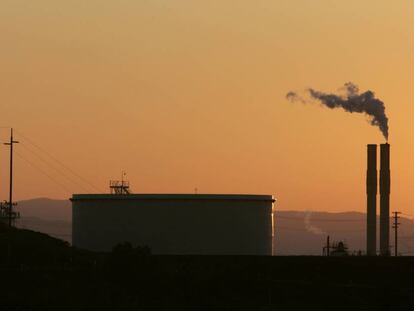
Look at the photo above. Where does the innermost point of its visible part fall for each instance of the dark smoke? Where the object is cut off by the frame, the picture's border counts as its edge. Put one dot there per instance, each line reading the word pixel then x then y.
pixel 293 97
pixel 352 101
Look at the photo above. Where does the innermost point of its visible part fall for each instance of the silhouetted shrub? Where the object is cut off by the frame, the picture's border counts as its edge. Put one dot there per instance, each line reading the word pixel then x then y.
pixel 126 261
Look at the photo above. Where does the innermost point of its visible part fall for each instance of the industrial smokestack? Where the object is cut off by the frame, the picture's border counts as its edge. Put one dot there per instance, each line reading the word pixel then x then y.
pixel 372 200
pixel 385 185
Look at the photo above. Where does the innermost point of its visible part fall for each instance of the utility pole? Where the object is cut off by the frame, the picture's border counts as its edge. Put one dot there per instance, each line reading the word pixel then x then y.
pixel 11 143
pixel 326 248
pixel 395 226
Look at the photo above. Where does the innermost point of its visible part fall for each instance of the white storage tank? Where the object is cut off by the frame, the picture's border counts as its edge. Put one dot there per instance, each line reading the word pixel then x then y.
pixel 175 223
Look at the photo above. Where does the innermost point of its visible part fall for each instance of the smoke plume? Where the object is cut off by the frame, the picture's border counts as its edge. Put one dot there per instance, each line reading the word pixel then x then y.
pixel 308 225
pixel 351 101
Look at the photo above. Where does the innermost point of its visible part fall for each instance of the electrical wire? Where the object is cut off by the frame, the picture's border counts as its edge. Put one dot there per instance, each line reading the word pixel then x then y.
pixel 57 161
pixel 59 171
pixel 43 172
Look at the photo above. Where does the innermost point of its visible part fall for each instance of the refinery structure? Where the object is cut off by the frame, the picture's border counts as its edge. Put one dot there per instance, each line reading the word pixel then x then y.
pixel 199 224
pixel 209 224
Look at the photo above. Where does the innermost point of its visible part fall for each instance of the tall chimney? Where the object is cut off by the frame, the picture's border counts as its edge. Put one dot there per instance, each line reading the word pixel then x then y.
pixel 372 200
pixel 385 184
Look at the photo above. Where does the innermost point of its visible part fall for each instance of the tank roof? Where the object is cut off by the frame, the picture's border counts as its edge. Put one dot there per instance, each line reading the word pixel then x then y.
pixel 235 197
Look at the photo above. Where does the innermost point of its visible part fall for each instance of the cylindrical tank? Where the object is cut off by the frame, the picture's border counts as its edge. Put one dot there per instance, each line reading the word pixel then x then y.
pixel 175 223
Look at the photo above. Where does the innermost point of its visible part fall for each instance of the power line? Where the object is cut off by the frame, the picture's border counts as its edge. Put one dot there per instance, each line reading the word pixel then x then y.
pixel 46 174
pixel 61 172
pixel 410 215
pixel 58 161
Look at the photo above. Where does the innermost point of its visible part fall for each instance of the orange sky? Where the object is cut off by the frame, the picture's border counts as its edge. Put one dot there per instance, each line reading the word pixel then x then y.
pixel 184 94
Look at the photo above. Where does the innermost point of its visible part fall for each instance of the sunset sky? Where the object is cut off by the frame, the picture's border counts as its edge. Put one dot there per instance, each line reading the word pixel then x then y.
pixel 185 94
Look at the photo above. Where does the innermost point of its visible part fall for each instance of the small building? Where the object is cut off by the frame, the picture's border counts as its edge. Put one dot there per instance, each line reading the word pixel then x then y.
pixel 201 224
pixel 339 249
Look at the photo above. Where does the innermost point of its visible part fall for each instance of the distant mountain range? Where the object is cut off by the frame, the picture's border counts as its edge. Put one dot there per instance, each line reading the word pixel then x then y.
pixel 53 217
pixel 297 232
pixel 46 209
